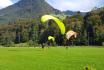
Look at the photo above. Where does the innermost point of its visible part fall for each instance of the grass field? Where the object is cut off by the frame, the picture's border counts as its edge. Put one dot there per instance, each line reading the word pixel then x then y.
pixel 51 58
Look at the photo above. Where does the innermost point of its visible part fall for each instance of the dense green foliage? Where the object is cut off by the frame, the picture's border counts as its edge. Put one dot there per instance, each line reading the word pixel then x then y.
pixel 90 29
pixel 19 32
pixel 51 58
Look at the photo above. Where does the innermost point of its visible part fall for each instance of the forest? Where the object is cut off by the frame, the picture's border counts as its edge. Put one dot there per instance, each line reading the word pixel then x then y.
pixel 90 29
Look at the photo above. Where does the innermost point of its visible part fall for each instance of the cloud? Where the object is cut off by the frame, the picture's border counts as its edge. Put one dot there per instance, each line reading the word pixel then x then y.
pixel 75 5
pixel 5 3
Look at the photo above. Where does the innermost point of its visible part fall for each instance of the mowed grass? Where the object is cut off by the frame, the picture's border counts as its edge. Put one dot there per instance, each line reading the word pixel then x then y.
pixel 51 58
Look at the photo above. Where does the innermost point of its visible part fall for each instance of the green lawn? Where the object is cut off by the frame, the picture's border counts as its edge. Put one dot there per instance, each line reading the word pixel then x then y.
pixel 51 58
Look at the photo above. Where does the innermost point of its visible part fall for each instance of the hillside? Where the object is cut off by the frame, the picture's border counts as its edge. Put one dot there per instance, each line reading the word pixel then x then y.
pixel 26 9
pixel 71 13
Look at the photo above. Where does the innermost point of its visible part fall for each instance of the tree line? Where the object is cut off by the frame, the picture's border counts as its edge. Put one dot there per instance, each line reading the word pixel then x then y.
pixel 90 29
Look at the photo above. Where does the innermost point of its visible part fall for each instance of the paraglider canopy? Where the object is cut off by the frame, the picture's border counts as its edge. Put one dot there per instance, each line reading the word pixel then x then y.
pixel 58 22
pixel 51 38
pixel 70 34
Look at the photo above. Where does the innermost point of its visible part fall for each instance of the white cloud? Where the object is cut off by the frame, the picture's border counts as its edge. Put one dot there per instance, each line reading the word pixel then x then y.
pixel 74 5
pixel 5 3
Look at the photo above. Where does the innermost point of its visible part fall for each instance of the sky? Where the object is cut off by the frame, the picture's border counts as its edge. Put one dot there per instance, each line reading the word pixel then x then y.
pixel 6 3
pixel 63 5
pixel 76 5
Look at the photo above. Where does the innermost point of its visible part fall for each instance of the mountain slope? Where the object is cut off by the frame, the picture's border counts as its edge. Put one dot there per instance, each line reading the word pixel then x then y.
pixel 71 13
pixel 26 9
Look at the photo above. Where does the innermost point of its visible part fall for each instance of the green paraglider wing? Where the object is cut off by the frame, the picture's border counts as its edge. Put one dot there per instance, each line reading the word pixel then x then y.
pixel 51 38
pixel 58 22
